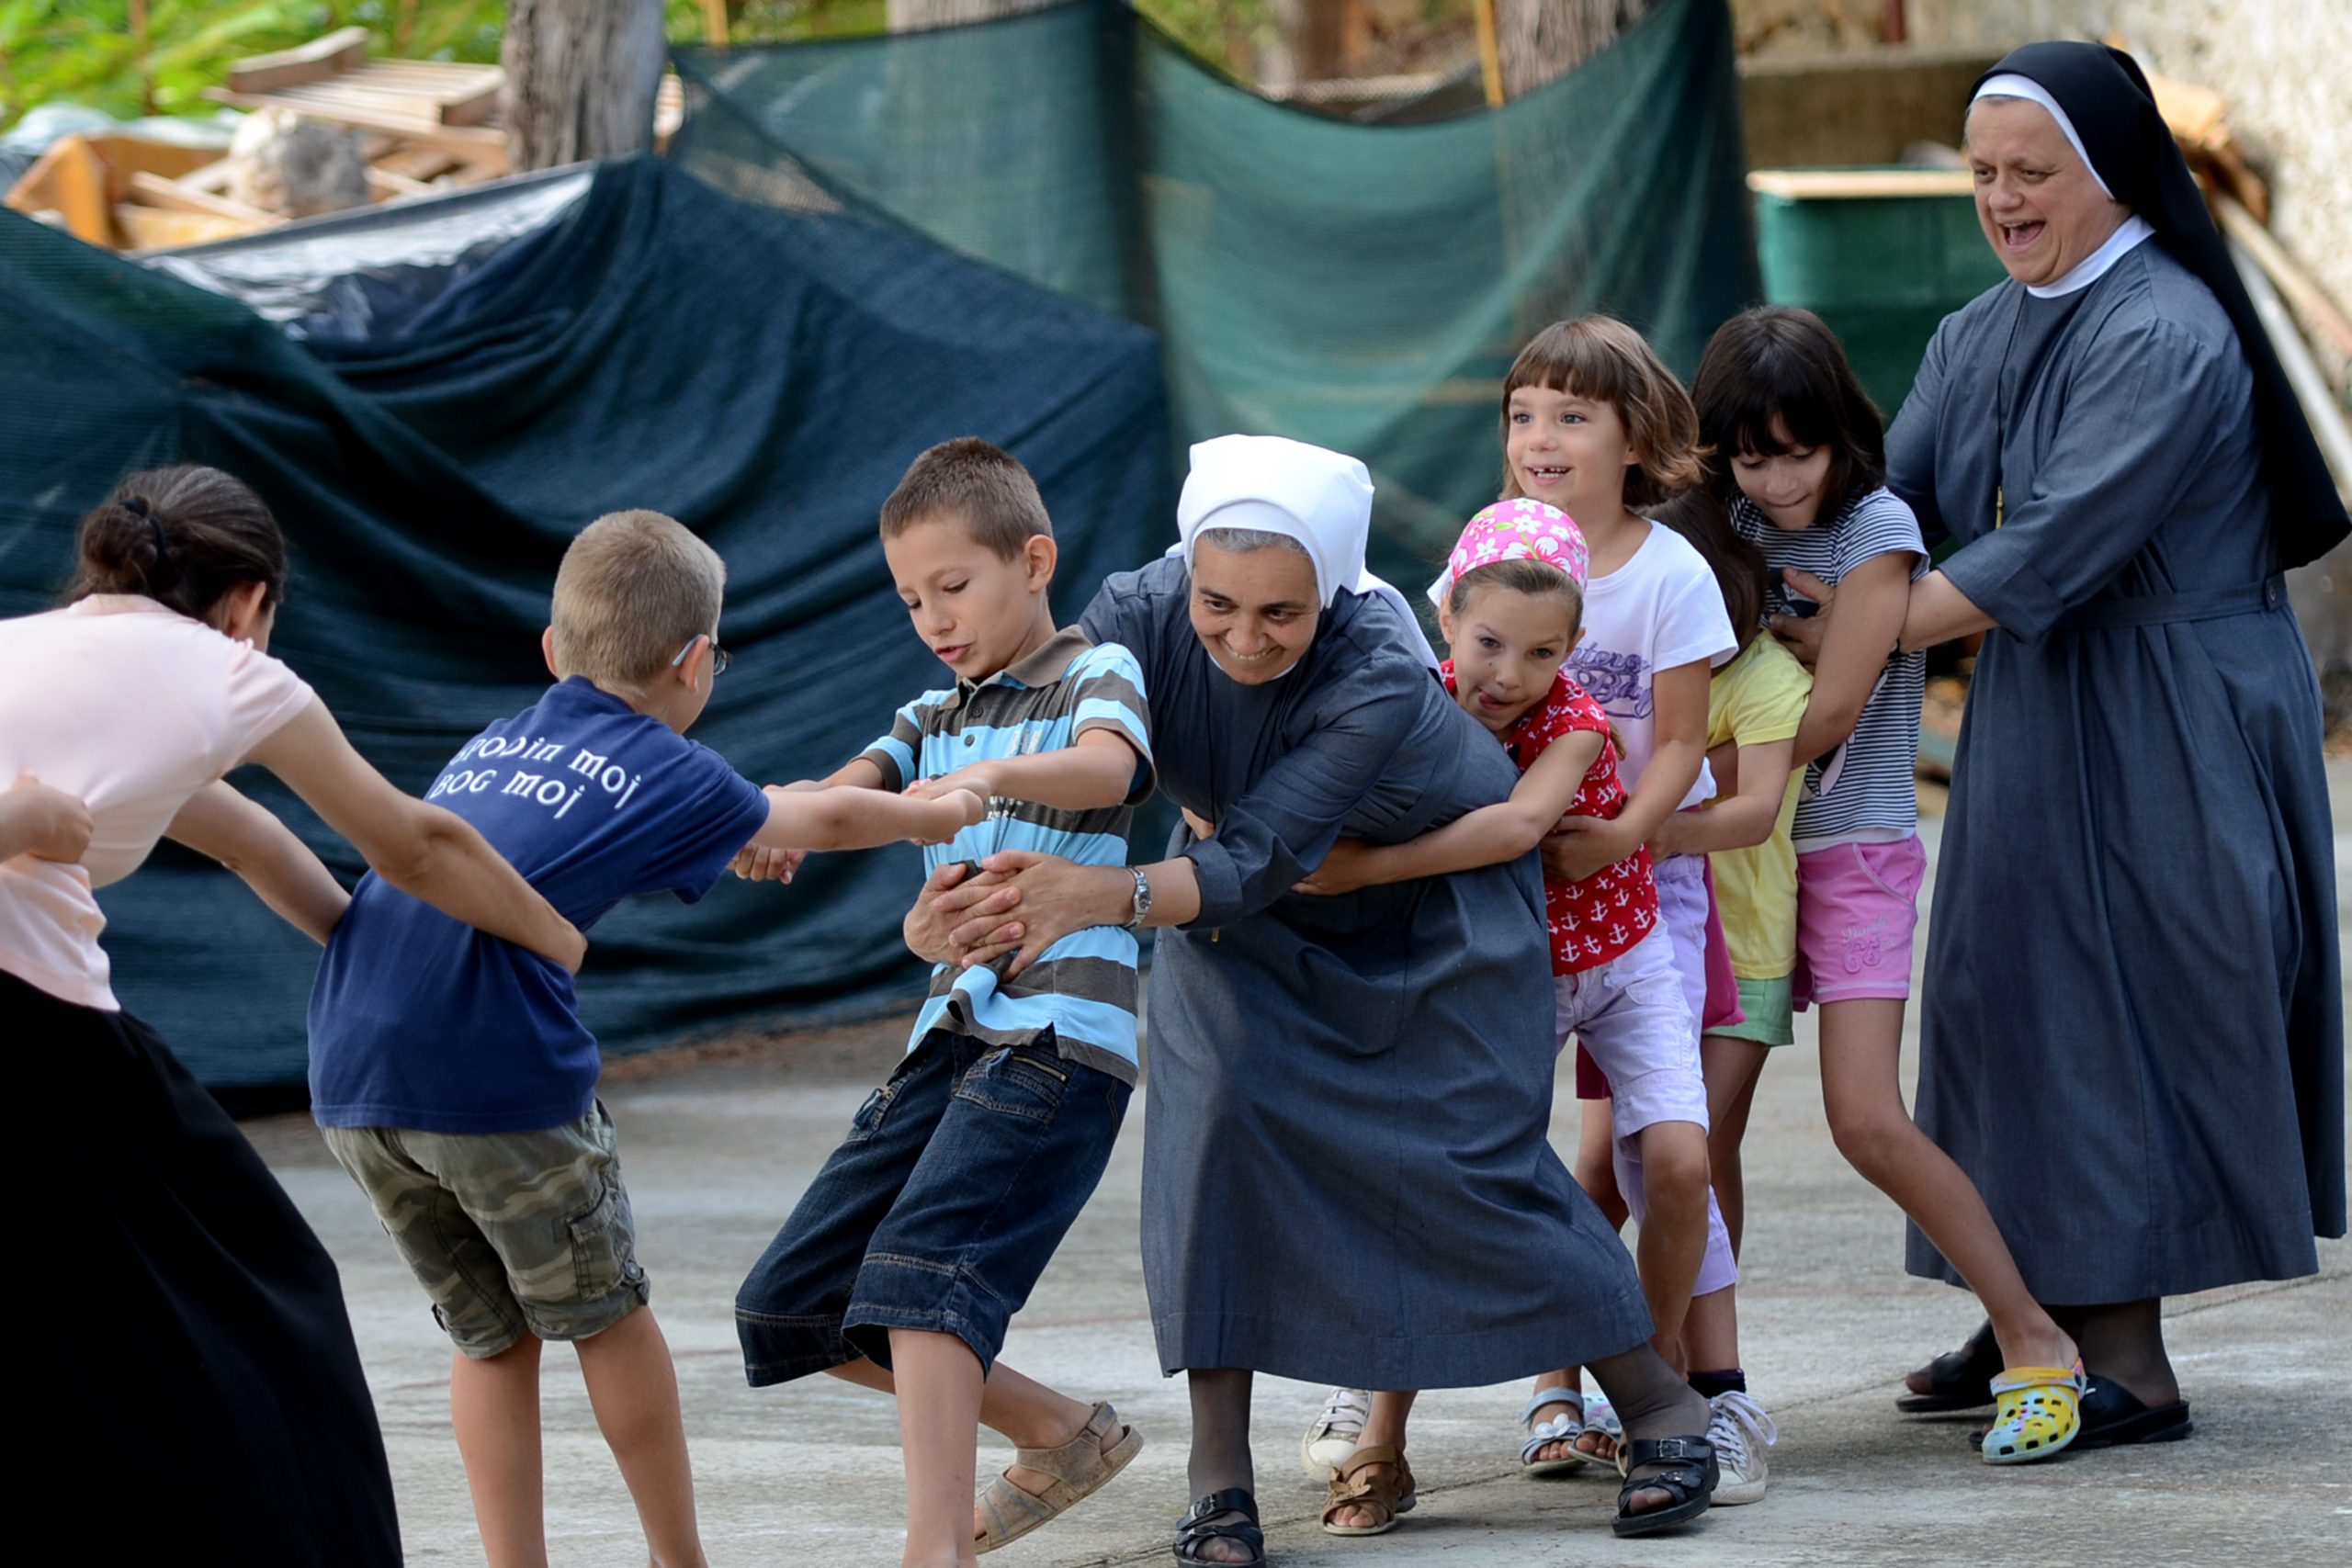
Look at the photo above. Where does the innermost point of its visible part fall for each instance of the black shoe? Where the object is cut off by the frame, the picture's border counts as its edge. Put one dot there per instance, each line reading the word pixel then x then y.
pixel 1958 1380
pixel 1689 1476
pixel 1197 1532
pixel 2113 1417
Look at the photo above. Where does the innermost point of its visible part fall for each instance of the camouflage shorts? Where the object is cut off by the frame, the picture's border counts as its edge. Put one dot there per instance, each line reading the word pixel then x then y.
pixel 507 1232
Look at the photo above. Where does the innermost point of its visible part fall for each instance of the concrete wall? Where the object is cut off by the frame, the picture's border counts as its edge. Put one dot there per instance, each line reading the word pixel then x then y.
pixel 2284 65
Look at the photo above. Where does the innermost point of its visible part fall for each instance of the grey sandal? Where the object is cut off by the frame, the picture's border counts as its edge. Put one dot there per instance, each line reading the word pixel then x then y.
pixel 1079 1468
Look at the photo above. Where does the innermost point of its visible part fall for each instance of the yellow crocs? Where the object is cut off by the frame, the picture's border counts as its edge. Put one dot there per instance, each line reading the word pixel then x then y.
pixel 2037 1412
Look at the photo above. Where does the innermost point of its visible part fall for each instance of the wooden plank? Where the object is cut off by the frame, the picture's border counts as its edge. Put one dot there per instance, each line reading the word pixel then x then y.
pixel 213 177
pixel 387 182
pixel 154 190
pixel 414 163
pixel 345 48
pixel 1832 184
pixel 479 144
pixel 152 229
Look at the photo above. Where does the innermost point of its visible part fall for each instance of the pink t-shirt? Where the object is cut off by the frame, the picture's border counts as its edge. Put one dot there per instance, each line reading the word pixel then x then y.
pixel 134 708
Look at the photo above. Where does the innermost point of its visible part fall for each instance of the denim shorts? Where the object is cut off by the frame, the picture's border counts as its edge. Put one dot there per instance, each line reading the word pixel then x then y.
pixel 509 1232
pixel 958 1181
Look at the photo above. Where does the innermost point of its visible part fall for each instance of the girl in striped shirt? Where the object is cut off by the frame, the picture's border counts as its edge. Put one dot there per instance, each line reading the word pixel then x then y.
pixel 1801 465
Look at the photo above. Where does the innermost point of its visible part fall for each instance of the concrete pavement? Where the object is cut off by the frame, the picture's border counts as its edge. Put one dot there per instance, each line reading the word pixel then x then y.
pixel 718 1145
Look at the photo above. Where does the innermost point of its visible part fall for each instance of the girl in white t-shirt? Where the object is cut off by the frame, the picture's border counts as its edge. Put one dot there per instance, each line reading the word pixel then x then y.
pixel 215 1315
pixel 1594 424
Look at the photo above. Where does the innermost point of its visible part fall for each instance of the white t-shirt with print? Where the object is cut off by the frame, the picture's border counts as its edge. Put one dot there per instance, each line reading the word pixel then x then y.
pixel 1661 609
pixel 134 708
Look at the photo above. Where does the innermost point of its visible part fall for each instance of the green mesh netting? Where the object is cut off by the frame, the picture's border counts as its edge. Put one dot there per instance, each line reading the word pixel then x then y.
pixel 1362 286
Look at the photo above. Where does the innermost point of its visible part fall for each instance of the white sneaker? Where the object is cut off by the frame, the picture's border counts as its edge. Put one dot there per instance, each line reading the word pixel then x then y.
pixel 1335 1432
pixel 1740 1431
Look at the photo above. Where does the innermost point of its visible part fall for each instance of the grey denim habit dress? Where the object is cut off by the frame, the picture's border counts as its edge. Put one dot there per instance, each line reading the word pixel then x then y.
pixel 2132 1027
pixel 1347 1172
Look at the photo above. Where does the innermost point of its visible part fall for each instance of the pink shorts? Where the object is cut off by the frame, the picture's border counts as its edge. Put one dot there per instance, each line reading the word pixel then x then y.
pixel 1857 906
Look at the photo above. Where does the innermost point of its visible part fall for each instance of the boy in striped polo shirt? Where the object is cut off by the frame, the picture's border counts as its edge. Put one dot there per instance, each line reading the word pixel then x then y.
pixel 928 1226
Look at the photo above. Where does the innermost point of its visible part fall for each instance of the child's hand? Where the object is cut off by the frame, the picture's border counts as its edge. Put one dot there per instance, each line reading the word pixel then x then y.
pixel 1674 834
pixel 1801 634
pixel 1201 831
pixel 977 779
pixel 58 826
pixel 756 865
pixel 959 808
pixel 1342 871
pixel 1581 846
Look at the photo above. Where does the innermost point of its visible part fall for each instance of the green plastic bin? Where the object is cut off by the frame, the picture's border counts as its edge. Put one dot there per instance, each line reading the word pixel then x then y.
pixel 1882 255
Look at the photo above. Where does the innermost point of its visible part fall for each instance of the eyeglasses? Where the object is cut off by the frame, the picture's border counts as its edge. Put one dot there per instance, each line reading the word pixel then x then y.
pixel 719 659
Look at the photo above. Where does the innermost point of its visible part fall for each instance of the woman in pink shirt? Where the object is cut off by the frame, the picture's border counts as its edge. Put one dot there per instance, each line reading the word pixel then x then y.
pixel 207 1374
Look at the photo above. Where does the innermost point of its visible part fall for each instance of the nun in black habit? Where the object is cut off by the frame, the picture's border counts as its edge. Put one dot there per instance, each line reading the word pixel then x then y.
pixel 2131 1036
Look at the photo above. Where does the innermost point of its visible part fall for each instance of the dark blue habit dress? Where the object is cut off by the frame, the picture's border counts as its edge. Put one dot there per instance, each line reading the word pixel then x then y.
pixel 2133 1026
pixel 1347 1173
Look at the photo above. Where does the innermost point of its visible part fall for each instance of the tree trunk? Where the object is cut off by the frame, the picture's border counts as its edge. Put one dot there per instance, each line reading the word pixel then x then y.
pixel 1543 38
pixel 1306 45
pixel 914 16
pixel 581 79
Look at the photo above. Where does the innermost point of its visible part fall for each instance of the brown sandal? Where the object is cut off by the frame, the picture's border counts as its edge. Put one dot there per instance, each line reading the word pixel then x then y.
pixel 1352 1486
pixel 1078 1468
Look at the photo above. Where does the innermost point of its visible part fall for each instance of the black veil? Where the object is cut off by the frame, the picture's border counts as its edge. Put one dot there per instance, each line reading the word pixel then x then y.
pixel 2114 112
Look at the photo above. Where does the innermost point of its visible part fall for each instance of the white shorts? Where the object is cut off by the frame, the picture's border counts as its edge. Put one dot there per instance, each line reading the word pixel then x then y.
pixel 1630 1015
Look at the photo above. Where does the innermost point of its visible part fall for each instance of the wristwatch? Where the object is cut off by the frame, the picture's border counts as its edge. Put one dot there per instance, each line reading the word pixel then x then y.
pixel 1143 899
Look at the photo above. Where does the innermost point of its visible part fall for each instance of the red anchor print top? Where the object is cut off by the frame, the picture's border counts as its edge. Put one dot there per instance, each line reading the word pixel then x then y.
pixel 1603 916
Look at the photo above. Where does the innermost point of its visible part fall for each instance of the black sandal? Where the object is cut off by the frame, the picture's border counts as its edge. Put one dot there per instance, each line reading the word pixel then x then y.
pixel 1689 1474
pixel 1958 1380
pixel 1197 1532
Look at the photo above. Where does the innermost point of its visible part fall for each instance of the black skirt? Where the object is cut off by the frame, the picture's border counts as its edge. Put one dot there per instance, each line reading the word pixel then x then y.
pixel 199 1392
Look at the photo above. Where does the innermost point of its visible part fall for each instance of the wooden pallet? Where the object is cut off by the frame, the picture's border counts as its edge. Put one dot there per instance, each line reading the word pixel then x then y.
pixel 451 108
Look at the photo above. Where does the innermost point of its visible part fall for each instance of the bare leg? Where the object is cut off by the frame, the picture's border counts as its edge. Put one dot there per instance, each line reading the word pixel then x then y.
pixel 1220 1456
pixel 2124 1343
pixel 1710 1331
pixel 1732 1067
pixel 939 1384
pixel 494 1406
pixel 1595 1168
pixel 1674 1226
pixel 633 1386
pixel 1862 1093
pixel 1385 1426
pixel 1022 1410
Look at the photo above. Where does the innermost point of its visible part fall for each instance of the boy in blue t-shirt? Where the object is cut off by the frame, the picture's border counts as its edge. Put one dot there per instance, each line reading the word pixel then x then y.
pixel 928 1227
pixel 451 1073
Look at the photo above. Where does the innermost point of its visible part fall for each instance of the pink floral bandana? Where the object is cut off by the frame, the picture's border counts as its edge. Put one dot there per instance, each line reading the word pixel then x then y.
pixel 1515 530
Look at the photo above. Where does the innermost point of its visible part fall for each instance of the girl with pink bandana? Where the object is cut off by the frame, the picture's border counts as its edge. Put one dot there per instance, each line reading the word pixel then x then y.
pixel 1512 605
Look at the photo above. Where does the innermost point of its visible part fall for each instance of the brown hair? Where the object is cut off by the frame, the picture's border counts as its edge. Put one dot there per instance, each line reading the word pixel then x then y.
pixel 634 588
pixel 1603 358
pixel 1538 579
pixel 183 537
pixel 977 483
pixel 1778 360
pixel 1741 572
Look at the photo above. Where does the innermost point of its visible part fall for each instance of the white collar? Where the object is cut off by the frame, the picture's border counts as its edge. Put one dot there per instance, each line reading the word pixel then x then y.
pixel 2094 266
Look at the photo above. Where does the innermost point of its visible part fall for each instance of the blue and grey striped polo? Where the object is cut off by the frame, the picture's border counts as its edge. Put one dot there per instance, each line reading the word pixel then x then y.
pixel 1082 988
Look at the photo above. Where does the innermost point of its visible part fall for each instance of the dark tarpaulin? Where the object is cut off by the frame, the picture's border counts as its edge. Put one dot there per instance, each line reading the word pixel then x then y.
pixel 762 376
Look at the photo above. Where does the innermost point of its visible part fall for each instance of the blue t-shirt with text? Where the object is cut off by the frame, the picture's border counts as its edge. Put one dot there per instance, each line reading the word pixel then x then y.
pixel 420 1021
